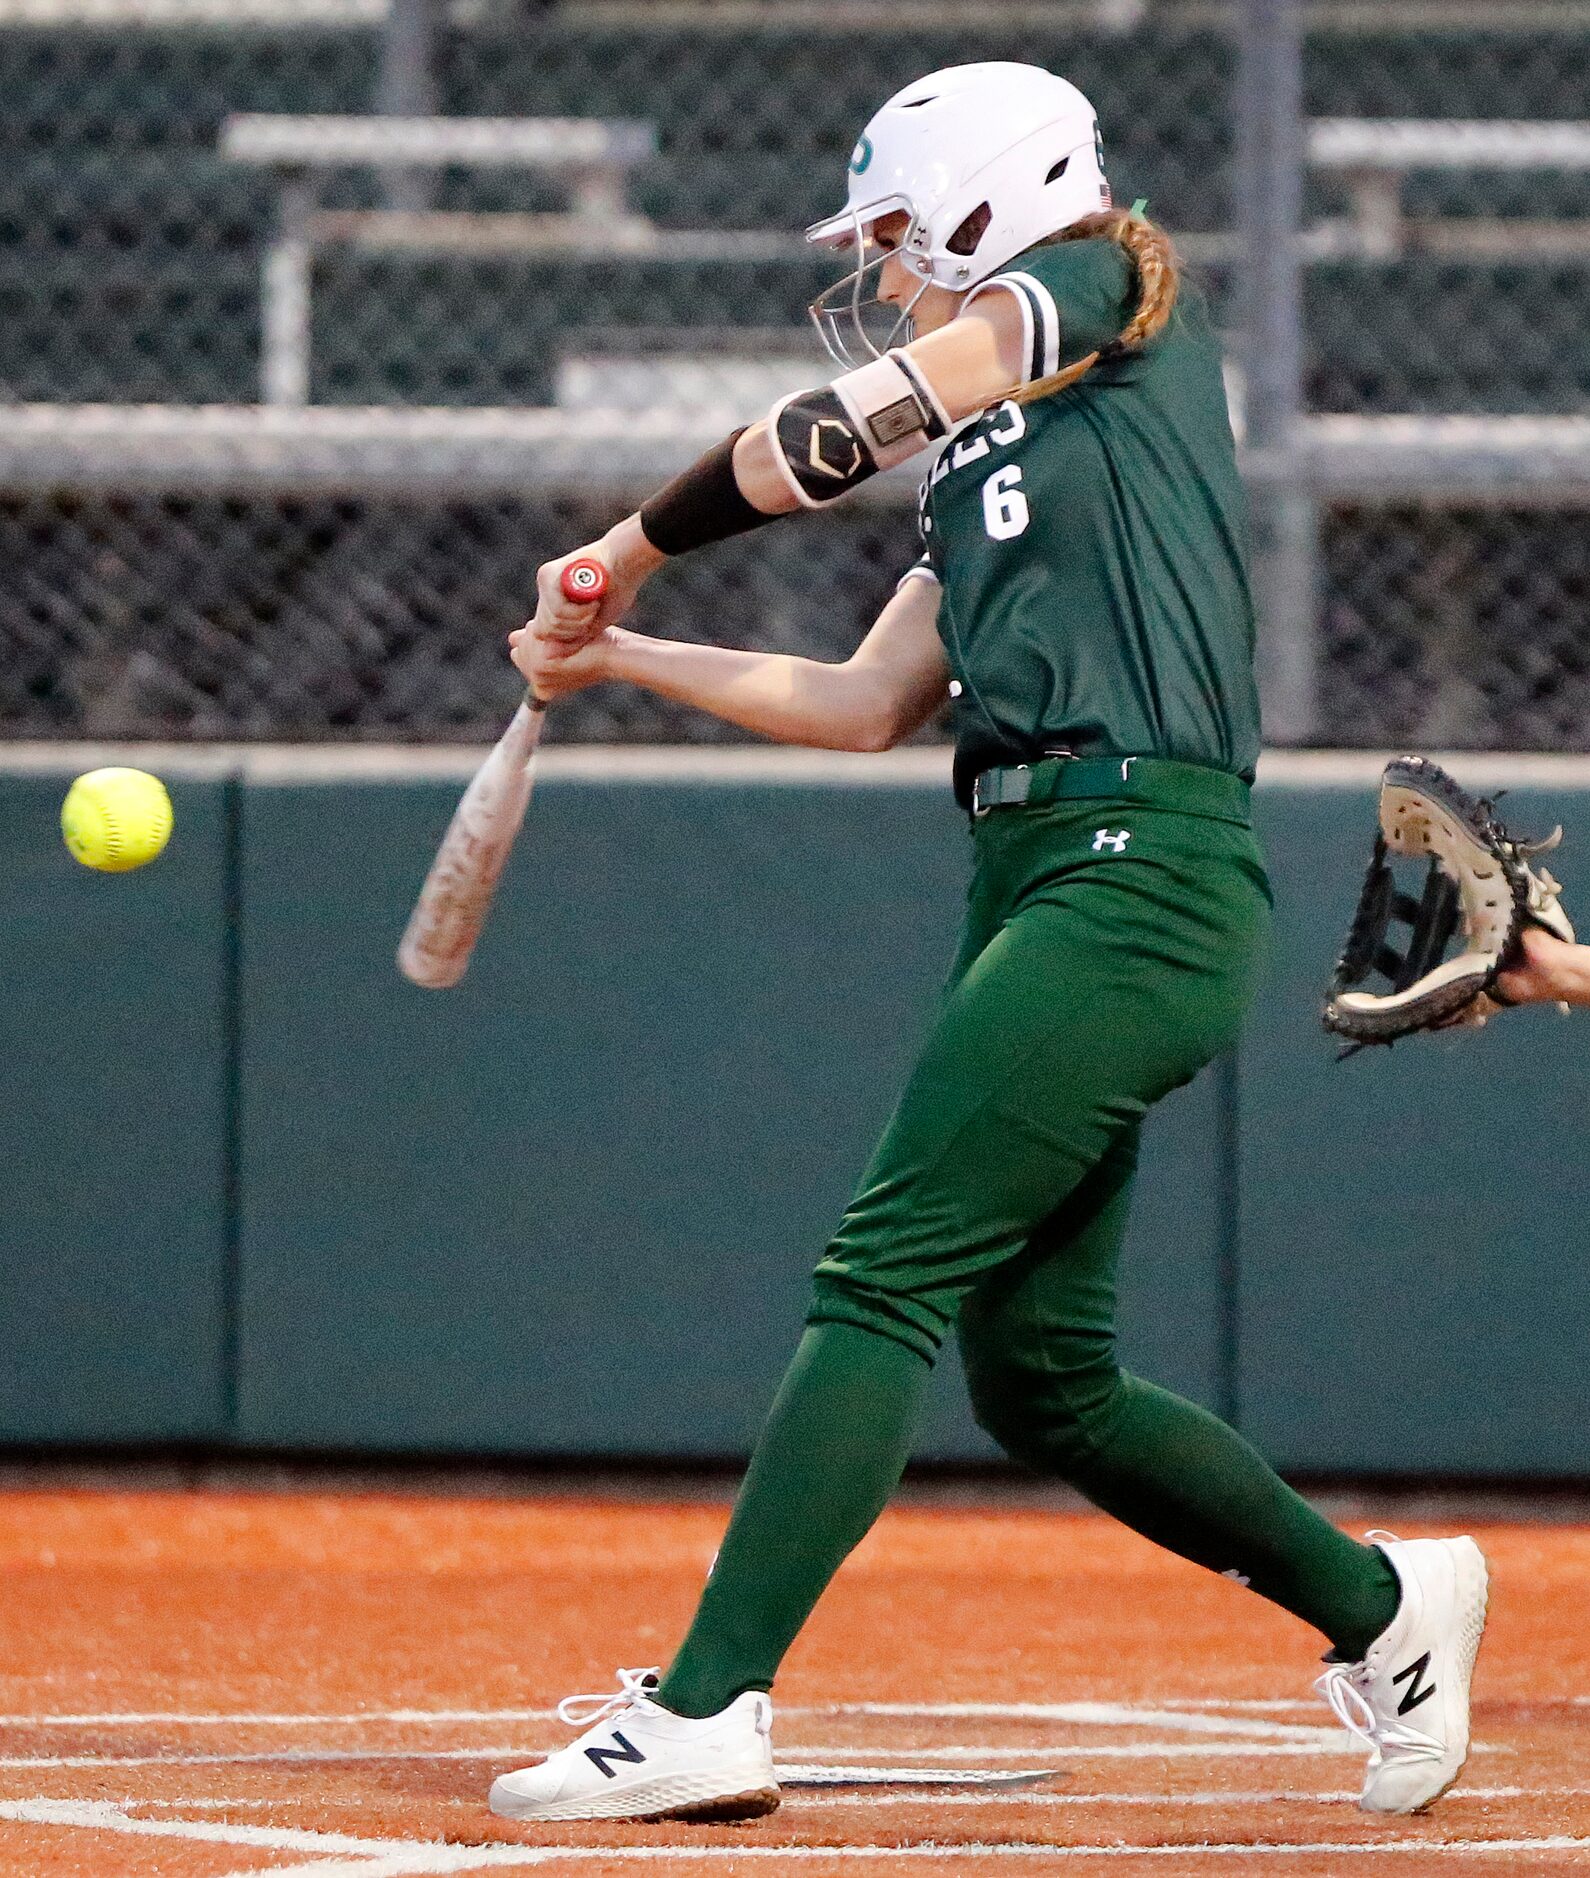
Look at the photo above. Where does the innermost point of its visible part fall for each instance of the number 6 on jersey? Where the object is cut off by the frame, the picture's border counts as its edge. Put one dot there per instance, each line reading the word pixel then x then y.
pixel 1005 511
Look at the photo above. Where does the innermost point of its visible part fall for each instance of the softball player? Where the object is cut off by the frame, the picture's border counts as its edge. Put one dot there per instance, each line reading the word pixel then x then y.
pixel 1083 598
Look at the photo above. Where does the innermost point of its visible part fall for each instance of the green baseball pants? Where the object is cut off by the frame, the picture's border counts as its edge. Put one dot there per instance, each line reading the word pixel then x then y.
pixel 1113 939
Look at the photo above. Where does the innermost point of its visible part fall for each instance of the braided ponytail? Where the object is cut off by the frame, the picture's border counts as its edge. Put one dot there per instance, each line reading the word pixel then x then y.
pixel 1157 273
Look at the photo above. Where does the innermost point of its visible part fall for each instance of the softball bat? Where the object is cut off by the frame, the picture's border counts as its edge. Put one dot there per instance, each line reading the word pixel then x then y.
pixel 458 891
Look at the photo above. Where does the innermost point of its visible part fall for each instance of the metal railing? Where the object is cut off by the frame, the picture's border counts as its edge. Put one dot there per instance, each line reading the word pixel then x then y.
pixel 484 370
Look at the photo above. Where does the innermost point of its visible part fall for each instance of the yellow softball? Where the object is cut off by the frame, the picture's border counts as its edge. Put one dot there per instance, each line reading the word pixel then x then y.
pixel 116 819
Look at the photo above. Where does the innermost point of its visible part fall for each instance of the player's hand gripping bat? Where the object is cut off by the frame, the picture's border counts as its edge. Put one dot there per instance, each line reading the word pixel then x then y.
pixel 457 895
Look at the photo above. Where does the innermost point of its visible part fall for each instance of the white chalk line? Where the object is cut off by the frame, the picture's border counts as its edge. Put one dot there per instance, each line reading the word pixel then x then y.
pixel 220 1806
pixel 416 1717
pixel 1093 1715
pixel 456 1859
pixel 1341 1744
pixel 803 1800
pixel 1265 1736
pixel 1273 1704
pixel 394 1867
pixel 389 1858
pixel 424 1859
pixel 1170 1714
pixel 837 1794
pixel 288 1757
pixel 813 1798
pixel 105 1815
pixel 799 1775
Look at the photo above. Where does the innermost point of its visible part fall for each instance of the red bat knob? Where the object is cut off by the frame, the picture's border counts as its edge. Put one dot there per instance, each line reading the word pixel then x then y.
pixel 584 582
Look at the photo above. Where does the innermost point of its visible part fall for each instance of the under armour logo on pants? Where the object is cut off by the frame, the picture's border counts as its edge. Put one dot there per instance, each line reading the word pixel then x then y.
pixel 1116 843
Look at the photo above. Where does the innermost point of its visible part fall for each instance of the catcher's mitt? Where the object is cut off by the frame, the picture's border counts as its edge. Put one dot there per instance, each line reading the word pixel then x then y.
pixel 1479 887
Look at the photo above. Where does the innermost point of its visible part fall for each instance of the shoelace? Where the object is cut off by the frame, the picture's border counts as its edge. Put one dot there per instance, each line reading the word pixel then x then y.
pixel 1348 1703
pixel 1353 1710
pixel 1346 1700
pixel 585 1711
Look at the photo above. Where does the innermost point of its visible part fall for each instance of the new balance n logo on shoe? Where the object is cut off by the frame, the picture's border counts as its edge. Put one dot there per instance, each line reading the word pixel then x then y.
pixel 1414 1695
pixel 625 1752
pixel 1116 842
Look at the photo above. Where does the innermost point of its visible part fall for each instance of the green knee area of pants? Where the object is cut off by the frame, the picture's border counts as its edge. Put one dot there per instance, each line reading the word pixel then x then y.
pixel 1110 950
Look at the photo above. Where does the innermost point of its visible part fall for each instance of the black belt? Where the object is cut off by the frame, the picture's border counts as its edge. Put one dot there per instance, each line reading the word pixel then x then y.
pixel 1188 787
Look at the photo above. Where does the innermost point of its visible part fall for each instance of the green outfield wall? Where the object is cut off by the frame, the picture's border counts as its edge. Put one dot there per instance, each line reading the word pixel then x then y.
pixel 259 1191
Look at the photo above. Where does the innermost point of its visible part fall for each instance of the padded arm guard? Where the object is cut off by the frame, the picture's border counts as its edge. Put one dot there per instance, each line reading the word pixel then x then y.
pixel 1479 887
pixel 831 439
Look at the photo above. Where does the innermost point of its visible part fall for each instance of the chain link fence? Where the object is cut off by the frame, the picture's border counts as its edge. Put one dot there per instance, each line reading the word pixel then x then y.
pixel 134 268
pixel 173 617
pixel 1457 629
pixel 179 617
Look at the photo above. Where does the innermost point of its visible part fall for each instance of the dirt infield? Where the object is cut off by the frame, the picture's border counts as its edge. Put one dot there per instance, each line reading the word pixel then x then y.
pixel 211 1684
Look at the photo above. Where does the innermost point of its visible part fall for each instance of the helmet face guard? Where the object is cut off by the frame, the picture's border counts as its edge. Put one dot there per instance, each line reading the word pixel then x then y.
pixel 854 325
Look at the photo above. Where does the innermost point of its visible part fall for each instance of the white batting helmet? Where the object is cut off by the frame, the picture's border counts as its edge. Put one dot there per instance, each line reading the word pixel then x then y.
pixel 983 159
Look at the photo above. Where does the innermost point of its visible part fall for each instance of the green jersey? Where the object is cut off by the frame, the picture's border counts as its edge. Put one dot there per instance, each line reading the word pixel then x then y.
pixel 1092 545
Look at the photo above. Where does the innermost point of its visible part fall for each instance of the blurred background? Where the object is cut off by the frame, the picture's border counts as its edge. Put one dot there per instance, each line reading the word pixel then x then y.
pixel 1389 205
pixel 322 322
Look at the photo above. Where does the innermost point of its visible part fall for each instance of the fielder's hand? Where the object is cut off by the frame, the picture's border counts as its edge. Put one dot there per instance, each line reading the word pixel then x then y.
pixel 1550 972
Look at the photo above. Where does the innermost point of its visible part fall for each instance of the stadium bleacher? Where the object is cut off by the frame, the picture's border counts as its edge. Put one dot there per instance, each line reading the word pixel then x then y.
pixel 129 248
pixel 130 256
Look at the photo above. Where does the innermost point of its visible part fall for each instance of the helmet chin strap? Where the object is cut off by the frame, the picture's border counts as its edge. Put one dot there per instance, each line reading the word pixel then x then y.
pixel 826 311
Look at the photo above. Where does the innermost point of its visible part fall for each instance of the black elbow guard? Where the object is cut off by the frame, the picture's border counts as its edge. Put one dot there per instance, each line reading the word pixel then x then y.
pixel 831 439
pixel 821 446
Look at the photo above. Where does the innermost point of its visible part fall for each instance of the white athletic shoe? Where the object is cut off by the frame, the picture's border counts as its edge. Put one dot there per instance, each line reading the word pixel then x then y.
pixel 1409 1697
pixel 637 1760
